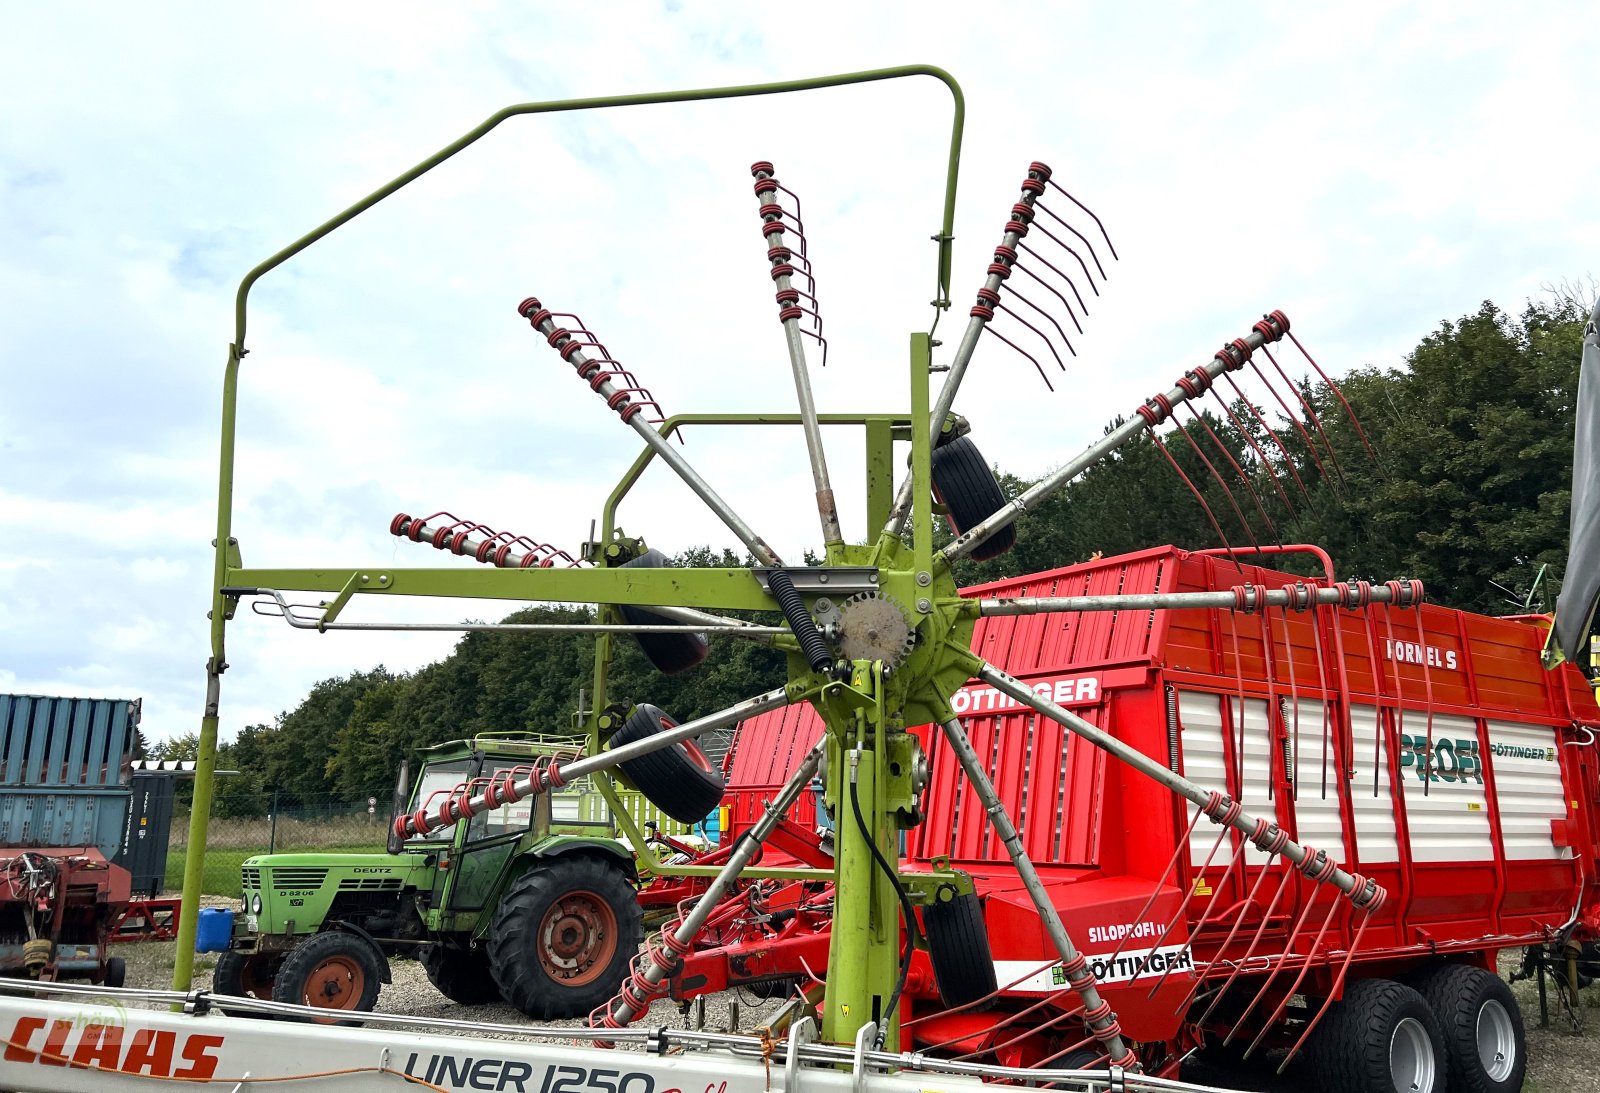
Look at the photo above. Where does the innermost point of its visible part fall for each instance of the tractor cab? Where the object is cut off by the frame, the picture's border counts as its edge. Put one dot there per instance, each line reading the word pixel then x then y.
pixel 542 878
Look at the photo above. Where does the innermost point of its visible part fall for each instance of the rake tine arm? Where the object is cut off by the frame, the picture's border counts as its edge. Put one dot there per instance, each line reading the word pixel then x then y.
pixel 1192 384
pixel 1246 598
pixel 511 790
pixel 658 961
pixel 1102 1022
pixel 790 313
pixel 1004 257
pixel 589 369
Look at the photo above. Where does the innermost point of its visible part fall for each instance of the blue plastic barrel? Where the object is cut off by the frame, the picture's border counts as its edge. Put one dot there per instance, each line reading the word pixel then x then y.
pixel 214 932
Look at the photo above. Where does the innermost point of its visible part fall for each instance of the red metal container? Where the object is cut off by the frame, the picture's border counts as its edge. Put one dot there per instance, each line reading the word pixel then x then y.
pixel 1425 748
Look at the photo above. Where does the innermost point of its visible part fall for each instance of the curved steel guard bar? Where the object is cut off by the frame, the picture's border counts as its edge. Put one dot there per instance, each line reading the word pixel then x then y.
pixel 646 99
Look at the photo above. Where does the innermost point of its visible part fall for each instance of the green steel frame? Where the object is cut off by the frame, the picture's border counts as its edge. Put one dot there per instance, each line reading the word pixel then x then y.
pixel 870 755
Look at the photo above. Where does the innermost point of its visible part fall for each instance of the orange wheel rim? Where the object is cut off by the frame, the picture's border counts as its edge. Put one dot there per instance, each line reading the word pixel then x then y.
pixel 336 984
pixel 577 939
pixel 697 756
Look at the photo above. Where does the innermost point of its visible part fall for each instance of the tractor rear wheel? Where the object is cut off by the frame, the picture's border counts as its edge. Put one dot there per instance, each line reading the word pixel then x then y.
pixel 333 970
pixel 1485 1042
pixel 1381 1035
pixel 966 486
pixel 460 975
pixel 562 937
pixel 245 975
pixel 678 780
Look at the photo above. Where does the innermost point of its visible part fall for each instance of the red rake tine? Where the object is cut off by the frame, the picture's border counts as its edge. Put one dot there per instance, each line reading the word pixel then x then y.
pixel 1311 445
pixel 1266 464
pixel 1089 212
pixel 1233 502
pixel 1048 318
pixel 1288 460
pixel 1198 496
pixel 1236 860
pixel 1048 344
pixel 1052 268
pixel 1305 967
pixel 1339 394
pixel 1280 963
pixel 1025 353
pixel 1333 992
pixel 1052 215
pixel 1048 287
pixel 1288 878
pixel 1227 942
pixel 1310 410
pixel 1054 239
pixel 1238 470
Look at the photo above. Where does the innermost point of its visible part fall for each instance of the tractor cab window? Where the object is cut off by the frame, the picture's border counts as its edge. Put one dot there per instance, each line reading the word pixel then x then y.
pixel 436 780
pixel 507 819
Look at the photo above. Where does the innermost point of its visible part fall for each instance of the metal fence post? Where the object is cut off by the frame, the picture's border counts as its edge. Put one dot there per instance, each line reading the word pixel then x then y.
pixel 272 836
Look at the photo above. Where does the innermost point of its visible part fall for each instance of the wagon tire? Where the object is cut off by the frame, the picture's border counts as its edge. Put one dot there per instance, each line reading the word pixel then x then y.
pixel 460 975
pixel 334 970
pixel 958 946
pixel 967 487
pixel 1486 1045
pixel 1382 1035
pixel 670 653
pixel 116 972
pixel 244 975
pixel 679 780
pixel 562 937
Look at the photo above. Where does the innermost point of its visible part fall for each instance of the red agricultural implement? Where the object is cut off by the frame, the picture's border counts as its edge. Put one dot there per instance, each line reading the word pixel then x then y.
pixel 1422 749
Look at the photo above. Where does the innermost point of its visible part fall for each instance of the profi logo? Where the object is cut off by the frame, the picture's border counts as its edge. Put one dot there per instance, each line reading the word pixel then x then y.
pixel 105 1044
pixel 1451 761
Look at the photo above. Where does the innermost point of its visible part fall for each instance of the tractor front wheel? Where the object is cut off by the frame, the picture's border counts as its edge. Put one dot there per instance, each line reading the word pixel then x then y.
pixel 334 970
pixel 562 937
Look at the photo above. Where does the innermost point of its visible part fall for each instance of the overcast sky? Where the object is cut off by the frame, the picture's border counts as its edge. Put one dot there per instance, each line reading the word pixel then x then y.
pixel 1370 170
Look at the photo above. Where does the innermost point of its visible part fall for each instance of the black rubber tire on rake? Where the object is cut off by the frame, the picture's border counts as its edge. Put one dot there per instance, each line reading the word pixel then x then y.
pixel 460 975
pixel 670 653
pixel 965 484
pixel 1350 1051
pixel 1458 994
pixel 678 780
pixel 958 947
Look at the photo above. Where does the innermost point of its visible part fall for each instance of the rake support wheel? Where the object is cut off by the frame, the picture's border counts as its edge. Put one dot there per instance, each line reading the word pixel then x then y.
pixel 670 653
pixel 966 485
pixel 678 780
pixel 958 945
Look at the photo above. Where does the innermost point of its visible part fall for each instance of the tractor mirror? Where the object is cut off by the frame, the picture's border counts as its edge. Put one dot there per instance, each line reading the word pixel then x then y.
pixel 402 797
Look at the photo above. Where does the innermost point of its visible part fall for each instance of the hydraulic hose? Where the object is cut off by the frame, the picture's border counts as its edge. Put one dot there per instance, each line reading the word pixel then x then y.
pixel 812 643
pixel 905 905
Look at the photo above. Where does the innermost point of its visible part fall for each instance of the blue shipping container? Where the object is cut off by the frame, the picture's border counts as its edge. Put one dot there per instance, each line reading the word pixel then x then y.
pixel 64 770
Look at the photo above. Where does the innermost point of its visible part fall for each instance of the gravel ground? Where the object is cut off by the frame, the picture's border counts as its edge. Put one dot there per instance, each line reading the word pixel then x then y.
pixel 1560 1061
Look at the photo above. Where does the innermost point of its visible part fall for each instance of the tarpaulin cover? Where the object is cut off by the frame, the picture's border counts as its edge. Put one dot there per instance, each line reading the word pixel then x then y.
pixel 1580 590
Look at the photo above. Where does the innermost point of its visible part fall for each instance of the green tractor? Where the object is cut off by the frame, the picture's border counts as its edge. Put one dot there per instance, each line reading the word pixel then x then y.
pixel 534 903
